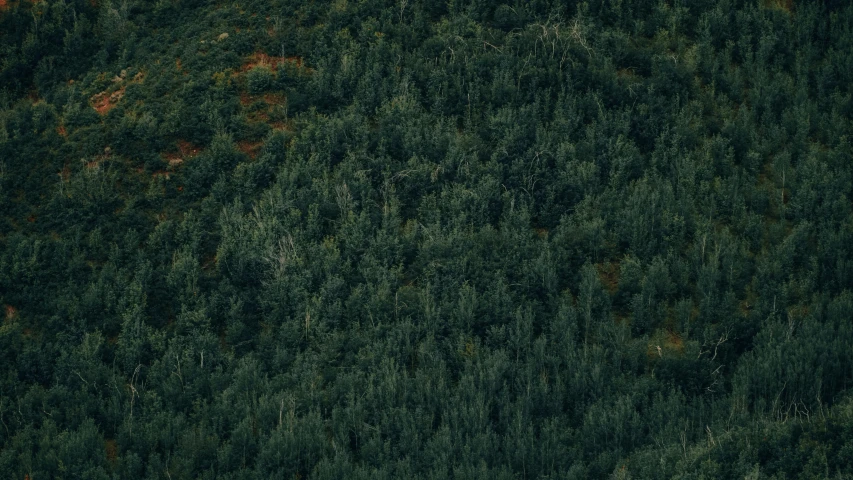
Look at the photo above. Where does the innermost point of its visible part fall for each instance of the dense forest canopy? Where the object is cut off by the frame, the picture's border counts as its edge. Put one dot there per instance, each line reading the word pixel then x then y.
pixel 423 239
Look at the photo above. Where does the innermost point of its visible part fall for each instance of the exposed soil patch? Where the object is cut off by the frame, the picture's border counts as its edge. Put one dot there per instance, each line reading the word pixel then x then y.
pixel 11 312
pixel 260 59
pixel 186 150
pixel 250 148
pixel 275 98
pixel 258 117
pixel 281 126
pixel 4 5
pixel 62 131
pixel 104 102
pixel 271 99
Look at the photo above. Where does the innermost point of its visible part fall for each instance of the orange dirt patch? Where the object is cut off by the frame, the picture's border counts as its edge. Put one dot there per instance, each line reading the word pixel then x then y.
pixel 11 313
pixel 186 150
pixel 104 102
pixel 262 117
pixel 260 59
pixel 281 126
pixel 250 148
pixel 62 131
pixel 275 99
pixel 4 4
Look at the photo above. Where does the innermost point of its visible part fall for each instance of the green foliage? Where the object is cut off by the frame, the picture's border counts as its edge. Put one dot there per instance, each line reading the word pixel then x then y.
pixel 259 79
pixel 290 239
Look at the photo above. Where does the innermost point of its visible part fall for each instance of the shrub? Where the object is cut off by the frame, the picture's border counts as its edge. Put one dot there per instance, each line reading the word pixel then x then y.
pixel 259 79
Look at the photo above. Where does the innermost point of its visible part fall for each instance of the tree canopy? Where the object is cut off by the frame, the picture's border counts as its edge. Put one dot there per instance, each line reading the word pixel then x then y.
pixel 411 239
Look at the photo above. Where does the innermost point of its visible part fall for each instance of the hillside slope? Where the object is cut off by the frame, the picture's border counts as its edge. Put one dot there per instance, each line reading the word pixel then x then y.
pixel 287 239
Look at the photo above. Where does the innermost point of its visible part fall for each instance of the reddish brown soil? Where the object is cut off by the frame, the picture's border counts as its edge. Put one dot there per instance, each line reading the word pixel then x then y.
pixel 104 102
pixel 11 312
pixel 185 151
pixel 262 117
pixel 250 148
pixel 275 98
pixel 258 59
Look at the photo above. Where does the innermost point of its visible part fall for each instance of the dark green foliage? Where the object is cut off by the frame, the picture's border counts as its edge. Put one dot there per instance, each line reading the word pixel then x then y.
pixel 461 239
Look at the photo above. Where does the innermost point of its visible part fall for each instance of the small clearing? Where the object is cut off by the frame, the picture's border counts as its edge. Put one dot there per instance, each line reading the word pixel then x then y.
pixel 260 59
pixel 186 150
pixel 250 148
pixel 104 102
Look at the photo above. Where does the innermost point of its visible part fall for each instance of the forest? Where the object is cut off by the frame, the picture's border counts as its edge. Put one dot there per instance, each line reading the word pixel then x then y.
pixel 451 239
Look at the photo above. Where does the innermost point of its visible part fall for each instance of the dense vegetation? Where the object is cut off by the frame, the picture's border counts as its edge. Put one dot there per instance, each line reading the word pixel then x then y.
pixel 410 239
